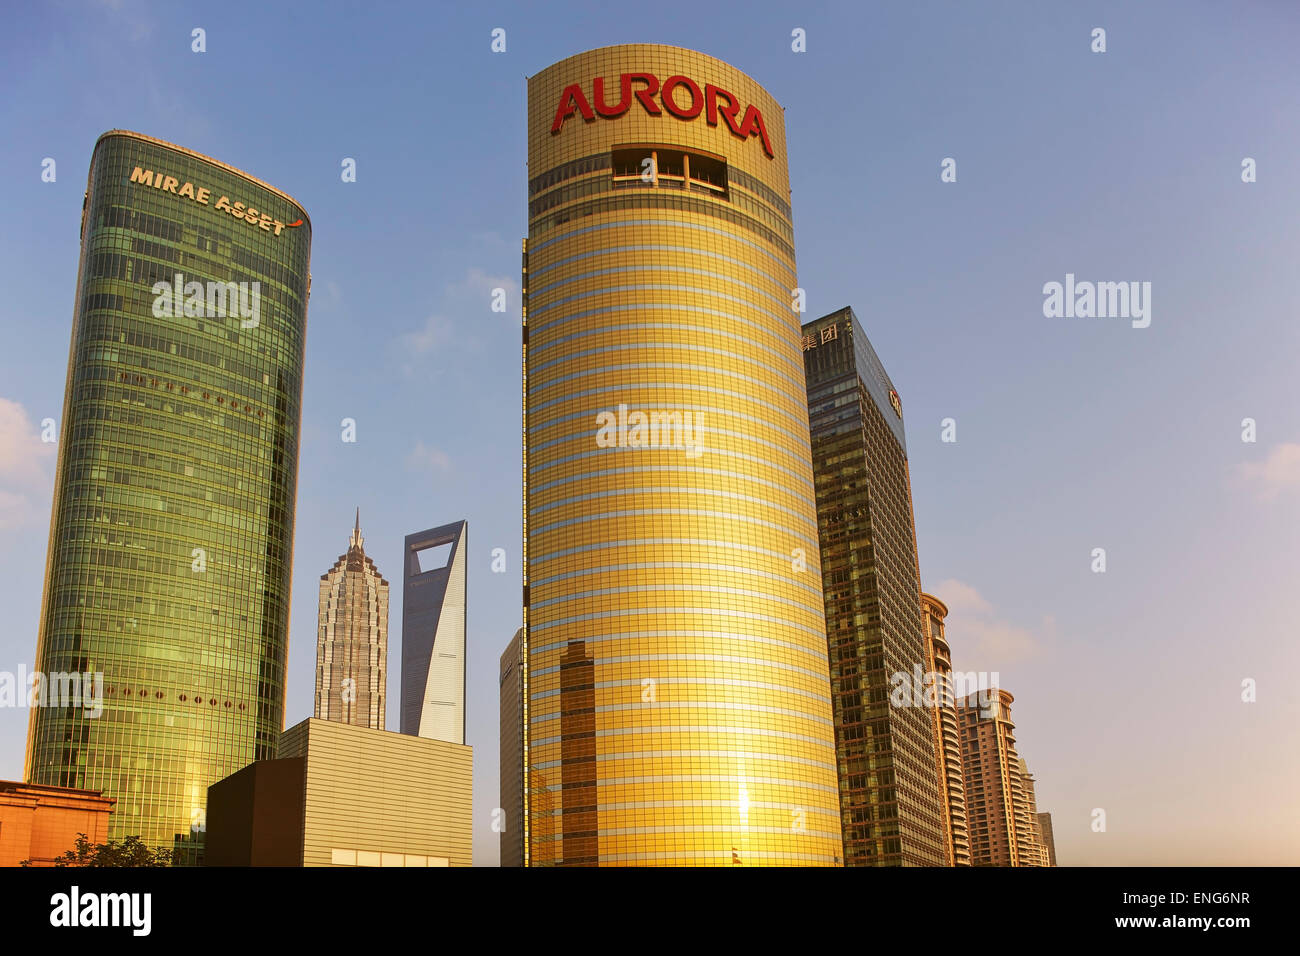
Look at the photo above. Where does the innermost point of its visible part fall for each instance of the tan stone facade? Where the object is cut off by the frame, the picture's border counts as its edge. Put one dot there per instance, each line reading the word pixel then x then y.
pixel 348 796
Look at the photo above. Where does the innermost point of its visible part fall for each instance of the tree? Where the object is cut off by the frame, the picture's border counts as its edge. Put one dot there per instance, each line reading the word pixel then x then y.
pixel 129 852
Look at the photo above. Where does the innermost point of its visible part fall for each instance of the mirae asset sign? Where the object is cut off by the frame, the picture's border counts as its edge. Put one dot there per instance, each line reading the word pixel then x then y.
pixel 680 96
pixel 201 195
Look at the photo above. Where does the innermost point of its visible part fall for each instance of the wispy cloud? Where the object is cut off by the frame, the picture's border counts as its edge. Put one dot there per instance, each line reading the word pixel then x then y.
pixel 437 330
pixel 427 459
pixel 131 16
pixel 471 298
pixel 977 633
pixel 479 285
pixel 1275 474
pixel 25 460
pixel 962 598
pixel 165 110
pixel 328 294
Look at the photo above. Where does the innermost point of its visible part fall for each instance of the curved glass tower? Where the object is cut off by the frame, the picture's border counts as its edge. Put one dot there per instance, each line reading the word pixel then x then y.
pixel 171 540
pixel 677 706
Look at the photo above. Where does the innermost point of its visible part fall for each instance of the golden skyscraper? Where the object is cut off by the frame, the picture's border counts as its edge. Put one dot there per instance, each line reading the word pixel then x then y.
pixel 676 694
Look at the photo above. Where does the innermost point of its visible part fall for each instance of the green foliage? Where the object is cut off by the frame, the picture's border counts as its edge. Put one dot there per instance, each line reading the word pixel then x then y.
pixel 129 852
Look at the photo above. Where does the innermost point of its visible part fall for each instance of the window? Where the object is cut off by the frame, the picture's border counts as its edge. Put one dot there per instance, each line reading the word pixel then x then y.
pixel 669 167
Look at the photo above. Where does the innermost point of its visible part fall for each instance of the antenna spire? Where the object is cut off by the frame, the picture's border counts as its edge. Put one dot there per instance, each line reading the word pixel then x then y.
pixel 356 540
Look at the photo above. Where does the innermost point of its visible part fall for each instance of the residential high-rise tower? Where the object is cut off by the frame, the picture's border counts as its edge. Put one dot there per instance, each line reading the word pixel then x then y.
pixel 1047 836
pixel 995 797
pixel 1033 849
pixel 952 784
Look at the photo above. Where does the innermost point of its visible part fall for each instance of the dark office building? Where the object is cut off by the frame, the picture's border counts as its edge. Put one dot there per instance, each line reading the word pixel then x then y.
pixel 433 633
pixel 890 801
pixel 171 537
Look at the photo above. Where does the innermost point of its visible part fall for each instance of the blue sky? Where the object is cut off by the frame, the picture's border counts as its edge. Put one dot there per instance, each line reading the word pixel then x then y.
pixel 1072 434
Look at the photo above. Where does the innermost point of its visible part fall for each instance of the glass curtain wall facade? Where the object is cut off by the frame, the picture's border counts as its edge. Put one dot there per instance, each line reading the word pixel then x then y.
pixel 171 538
pixel 434 605
pixel 676 692
pixel 893 813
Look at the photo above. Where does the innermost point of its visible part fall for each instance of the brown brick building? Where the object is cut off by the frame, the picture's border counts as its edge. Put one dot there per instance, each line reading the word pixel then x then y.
pixel 40 823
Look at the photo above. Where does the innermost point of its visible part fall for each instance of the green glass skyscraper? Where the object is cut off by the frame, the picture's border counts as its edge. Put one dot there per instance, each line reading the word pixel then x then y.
pixel 171 539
